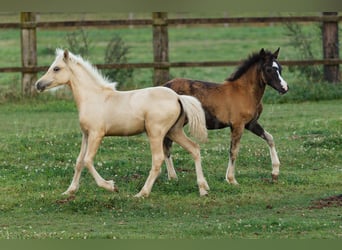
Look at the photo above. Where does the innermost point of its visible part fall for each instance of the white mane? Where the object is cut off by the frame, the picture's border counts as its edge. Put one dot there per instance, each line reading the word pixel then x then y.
pixel 100 79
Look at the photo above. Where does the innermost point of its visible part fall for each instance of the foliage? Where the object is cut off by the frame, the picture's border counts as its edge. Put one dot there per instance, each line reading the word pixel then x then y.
pixel 79 42
pixel 11 92
pixel 303 91
pixel 302 42
pixel 116 52
pixel 39 144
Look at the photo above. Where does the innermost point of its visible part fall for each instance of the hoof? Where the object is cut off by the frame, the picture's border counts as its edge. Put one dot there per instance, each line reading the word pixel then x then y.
pixel 232 181
pixel 204 193
pixel 274 178
pixel 140 195
pixel 110 186
pixel 172 177
pixel 203 188
pixel 116 189
pixel 68 199
pixel 69 193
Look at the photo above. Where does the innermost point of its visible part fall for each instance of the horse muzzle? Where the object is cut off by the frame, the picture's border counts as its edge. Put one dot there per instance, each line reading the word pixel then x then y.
pixel 283 90
pixel 42 85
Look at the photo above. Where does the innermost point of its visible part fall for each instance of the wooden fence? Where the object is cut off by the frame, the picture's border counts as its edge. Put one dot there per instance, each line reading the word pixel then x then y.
pixel 161 64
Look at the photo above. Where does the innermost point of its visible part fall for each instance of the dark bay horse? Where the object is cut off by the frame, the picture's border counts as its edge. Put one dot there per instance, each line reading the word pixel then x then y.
pixel 236 103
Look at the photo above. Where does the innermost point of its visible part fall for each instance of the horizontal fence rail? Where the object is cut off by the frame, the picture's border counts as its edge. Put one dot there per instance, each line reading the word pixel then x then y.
pixel 178 21
pixel 159 22
pixel 175 65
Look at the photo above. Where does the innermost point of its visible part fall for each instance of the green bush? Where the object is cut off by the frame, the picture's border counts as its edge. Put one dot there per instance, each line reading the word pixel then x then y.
pixel 303 91
pixel 79 42
pixel 116 52
pixel 301 40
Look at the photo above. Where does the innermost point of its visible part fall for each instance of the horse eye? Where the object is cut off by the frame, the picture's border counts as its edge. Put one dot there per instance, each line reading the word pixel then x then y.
pixel 56 69
pixel 269 70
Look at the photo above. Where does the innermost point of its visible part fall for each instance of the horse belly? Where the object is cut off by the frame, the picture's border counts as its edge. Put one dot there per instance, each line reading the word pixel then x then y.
pixel 212 122
pixel 125 126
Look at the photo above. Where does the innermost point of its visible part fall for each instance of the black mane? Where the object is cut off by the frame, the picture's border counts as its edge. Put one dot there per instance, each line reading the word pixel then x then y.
pixel 246 64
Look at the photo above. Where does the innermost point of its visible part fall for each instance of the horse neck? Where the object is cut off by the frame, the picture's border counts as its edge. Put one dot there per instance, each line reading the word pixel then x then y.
pixel 253 82
pixel 84 86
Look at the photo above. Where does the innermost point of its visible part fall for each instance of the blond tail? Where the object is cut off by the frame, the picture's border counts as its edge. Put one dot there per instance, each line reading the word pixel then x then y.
pixel 196 118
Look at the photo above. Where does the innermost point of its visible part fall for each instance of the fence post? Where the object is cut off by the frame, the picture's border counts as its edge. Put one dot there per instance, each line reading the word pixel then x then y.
pixel 331 47
pixel 28 51
pixel 160 48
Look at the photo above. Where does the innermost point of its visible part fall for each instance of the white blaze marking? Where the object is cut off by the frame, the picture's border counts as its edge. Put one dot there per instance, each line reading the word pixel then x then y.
pixel 283 83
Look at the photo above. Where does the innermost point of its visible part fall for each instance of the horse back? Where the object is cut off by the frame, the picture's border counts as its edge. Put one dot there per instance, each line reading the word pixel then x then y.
pixel 183 86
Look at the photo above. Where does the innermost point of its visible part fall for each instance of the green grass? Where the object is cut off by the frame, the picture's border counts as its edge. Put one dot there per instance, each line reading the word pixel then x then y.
pixel 40 140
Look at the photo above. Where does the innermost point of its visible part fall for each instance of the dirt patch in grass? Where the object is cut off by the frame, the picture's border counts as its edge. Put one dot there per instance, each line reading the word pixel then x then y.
pixel 331 201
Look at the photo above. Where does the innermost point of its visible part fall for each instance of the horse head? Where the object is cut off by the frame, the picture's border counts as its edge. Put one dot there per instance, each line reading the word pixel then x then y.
pixel 58 74
pixel 271 71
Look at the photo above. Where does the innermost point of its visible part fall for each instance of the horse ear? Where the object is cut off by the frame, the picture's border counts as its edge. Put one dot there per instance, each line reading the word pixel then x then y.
pixel 275 54
pixel 66 55
pixel 262 52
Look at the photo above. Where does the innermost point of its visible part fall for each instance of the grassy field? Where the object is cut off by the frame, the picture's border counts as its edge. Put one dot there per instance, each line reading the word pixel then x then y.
pixel 40 141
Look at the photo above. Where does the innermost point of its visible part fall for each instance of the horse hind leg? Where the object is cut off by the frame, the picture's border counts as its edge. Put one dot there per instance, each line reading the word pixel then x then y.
pixel 178 136
pixel 171 173
pixel 233 153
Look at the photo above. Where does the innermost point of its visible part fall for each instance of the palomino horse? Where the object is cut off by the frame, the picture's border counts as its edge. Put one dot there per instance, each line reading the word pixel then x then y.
pixel 237 103
pixel 159 112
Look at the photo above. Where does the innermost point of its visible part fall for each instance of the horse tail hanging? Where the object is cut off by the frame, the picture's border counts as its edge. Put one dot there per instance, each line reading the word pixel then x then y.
pixel 196 118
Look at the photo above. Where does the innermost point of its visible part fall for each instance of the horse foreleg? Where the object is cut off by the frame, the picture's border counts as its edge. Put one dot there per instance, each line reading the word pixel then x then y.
pixel 78 168
pixel 194 149
pixel 156 145
pixel 274 156
pixel 259 131
pixel 94 141
pixel 171 173
pixel 236 133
